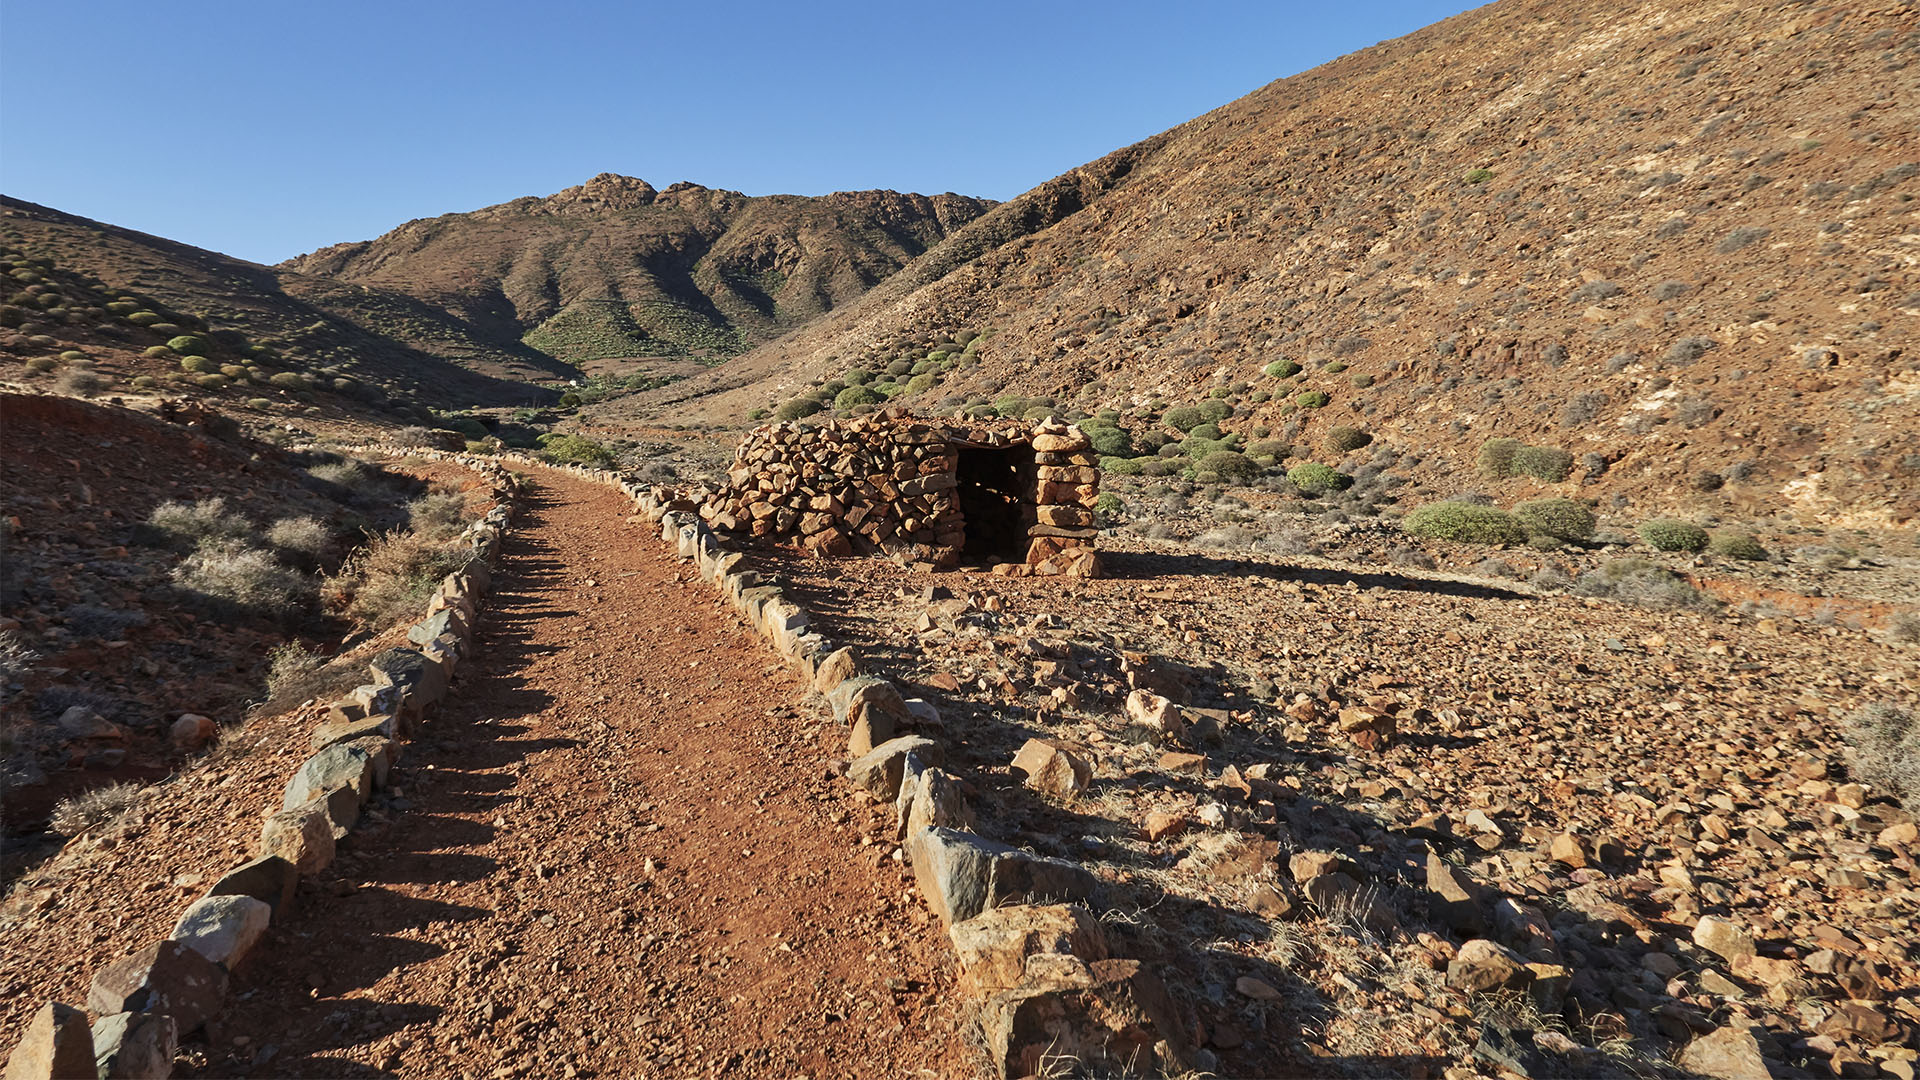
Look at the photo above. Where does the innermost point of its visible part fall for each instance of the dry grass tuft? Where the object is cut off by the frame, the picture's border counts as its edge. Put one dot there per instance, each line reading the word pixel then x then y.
pixel 94 809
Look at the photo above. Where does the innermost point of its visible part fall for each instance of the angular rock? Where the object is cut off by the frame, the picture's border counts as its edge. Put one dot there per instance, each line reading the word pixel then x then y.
pixel 1161 824
pixel 872 709
pixel 82 723
pixel 931 800
pixel 135 1046
pixel 302 836
pixel 269 879
pixel 192 731
pixel 839 666
pixel 339 766
pixel 167 978
pixel 1481 966
pixel 961 874
pixel 328 734
pixel 422 682
pixel 1723 938
pixel 1155 713
pixel 1453 896
pixel 1568 850
pixel 1731 1053
pixel 1109 1017
pixel 57 1045
pixel 993 947
pixel 223 928
pixel 879 771
pixel 444 621
pixel 1053 767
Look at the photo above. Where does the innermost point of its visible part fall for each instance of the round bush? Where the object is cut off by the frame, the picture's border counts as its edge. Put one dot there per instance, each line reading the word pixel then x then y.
pixel 854 396
pixel 857 376
pixel 1561 519
pixel 1313 478
pixel 1269 451
pixel 1545 463
pixel 1111 441
pixel 1343 439
pixel 1464 522
pixel 922 382
pixel 1183 419
pixel 157 352
pixel 215 381
pixel 1228 466
pixel 143 318
pixel 1123 466
pixel 143 382
pixel 1206 431
pixel 1496 457
pixel 1736 545
pixel 190 344
pixel 199 365
pixel 1215 410
pixel 1670 534
pixel 1311 399
pixel 292 380
pixel 1283 369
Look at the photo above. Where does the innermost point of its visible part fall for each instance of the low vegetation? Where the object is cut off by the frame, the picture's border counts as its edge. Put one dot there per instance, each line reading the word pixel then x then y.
pixel 1465 522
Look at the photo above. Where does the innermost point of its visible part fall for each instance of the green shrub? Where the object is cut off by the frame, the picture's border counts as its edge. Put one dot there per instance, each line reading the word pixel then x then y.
pixel 1109 506
pixel 1464 522
pixel 1228 466
pixel 857 377
pixel 1343 439
pixel 157 352
pixel 1670 534
pixel 797 408
pixel 1313 478
pixel 1215 410
pixel 215 381
pixel 857 395
pixel 1637 581
pixel 289 380
pixel 756 414
pixel 1111 441
pixel 1283 369
pixel 1478 176
pixel 143 318
pixel 1561 519
pixel 574 449
pixel 899 368
pixel 922 382
pixel 260 403
pixel 1208 431
pixel 568 400
pixel 190 344
pixel 1360 380
pixel 73 354
pixel 1334 367
pixel 143 382
pixel 1269 451
pixel 1736 545
pixel 302 538
pixel 1496 457
pixel 1545 463
pixel 1123 466
pixel 199 365
pixel 1310 399
pixel 233 371
pixel 1184 418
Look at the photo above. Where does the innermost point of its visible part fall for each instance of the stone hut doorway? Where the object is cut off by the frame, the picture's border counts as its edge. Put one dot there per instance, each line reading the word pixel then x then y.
pixel 996 483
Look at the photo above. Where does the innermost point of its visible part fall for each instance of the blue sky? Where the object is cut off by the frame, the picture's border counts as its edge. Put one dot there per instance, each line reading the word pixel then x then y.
pixel 267 129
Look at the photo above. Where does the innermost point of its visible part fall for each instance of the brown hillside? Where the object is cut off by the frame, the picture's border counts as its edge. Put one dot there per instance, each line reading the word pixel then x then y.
pixel 318 325
pixel 1677 241
pixel 615 268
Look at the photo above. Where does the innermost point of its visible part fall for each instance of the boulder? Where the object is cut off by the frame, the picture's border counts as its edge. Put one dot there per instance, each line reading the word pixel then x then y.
pixel 1730 1053
pixel 993 947
pixel 838 667
pixel 343 765
pixel 1483 966
pixel 1455 897
pixel 57 1045
pixel 1109 1017
pixel 81 723
pixel 879 771
pixel 1723 938
pixel 134 1046
pixel 1155 713
pixel 961 874
pixel 930 799
pixel 444 621
pixel 422 682
pixel 379 726
pixel 872 709
pixel 1053 767
pixel 168 978
pixel 223 928
pixel 269 879
pixel 191 731
pixel 302 836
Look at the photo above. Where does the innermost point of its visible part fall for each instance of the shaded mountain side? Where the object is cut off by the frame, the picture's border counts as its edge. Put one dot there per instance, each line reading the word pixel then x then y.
pixel 1678 242
pixel 312 322
pixel 615 268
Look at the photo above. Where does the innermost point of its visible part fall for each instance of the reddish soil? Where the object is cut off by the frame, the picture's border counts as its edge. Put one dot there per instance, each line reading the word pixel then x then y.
pixel 620 850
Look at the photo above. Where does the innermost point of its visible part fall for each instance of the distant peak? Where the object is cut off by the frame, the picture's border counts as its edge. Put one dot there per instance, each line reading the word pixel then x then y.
pixel 610 190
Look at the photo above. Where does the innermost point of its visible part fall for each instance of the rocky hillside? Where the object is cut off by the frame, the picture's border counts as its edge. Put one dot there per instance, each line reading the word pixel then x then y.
pixel 1677 242
pixel 615 268
pixel 313 324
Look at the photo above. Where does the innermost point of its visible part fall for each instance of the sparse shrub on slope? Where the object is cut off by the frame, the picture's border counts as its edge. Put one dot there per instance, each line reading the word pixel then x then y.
pixel 1226 466
pixel 182 525
pixel 92 809
pixel 797 408
pixel 1496 457
pixel 1637 581
pixel 1549 464
pixel 230 574
pixel 1671 534
pixel 1343 439
pixel 1313 478
pixel 1736 545
pixel 1464 522
pixel 574 449
pixel 854 396
pixel 303 539
pixel 1883 741
pixel 1562 519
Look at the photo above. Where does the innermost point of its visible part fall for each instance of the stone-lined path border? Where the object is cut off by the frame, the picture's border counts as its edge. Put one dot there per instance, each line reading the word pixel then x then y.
pixel 144 1003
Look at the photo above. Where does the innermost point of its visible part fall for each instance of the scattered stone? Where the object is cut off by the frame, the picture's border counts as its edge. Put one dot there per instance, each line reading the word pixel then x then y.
pixel 135 1046
pixel 1183 763
pixel 1161 824
pixel 1053 767
pixel 81 724
pixel 1482 966
pixel 167 978
pixel 1731 1053
pixel 1257 989
pixel 1307 865
pixel 1723 938
pixel 57 1045
pixel 191 732
pixel 1455 897
pixel 1568 850
pixel 1156 714
pixel 223 928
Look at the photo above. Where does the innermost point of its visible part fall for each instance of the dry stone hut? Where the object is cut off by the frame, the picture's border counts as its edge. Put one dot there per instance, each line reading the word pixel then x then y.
pixel 932 493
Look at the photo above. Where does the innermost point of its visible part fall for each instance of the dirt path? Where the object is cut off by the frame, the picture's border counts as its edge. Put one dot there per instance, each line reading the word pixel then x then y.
pixel 619 850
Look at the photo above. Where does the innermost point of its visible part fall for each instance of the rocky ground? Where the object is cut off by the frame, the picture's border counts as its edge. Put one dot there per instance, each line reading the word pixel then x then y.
pixel 1421 823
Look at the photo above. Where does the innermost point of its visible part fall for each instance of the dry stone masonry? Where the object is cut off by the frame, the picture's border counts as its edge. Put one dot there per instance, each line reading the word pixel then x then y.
pixel 932 493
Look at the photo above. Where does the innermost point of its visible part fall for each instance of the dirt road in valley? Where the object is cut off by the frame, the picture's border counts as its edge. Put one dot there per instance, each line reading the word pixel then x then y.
pixel 618 850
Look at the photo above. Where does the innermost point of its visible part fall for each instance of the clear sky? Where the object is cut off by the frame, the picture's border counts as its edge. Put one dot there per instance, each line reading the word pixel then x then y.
pixel 267 128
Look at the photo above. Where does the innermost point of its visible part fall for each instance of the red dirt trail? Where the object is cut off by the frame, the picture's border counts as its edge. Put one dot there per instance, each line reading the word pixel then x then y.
pixel 620 850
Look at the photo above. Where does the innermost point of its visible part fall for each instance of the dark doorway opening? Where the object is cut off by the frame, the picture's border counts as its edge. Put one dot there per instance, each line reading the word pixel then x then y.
pixel 993 489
